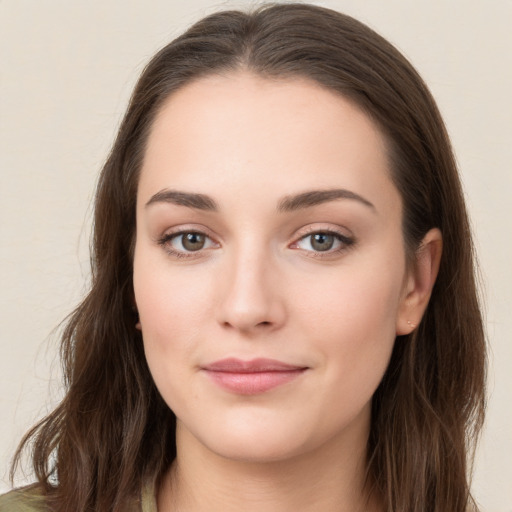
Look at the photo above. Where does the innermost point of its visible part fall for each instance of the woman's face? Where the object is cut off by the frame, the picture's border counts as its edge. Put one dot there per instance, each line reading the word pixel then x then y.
pixel 269 267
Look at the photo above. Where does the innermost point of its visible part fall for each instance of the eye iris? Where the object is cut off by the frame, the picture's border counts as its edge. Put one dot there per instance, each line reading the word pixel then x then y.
pixel 322 241
pixel 193 241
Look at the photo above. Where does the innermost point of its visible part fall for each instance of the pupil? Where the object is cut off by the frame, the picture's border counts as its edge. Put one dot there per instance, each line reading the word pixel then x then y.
pixel 322 241
pixel 193 241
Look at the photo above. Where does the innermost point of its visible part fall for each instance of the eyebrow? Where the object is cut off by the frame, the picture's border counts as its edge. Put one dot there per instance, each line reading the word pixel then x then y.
pixel 286 204
pixel 316 197
pixel 190 200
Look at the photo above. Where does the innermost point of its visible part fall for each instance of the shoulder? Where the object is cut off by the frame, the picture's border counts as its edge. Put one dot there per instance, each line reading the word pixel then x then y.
pixel 25 499
pixel 32 499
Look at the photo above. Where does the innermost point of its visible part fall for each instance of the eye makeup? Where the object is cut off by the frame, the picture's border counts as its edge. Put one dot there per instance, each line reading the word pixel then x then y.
pixel 186 243
pixel 315 242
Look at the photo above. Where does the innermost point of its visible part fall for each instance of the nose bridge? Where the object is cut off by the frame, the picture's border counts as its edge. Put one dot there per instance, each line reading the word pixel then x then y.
pixel 251 298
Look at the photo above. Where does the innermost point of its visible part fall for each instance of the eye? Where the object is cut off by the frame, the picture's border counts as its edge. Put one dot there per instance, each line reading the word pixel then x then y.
pixel 190 241
pixel 323 242
pixel 186 242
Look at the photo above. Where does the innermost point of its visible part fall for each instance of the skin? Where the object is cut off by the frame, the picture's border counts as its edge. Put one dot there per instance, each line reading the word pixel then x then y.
pixel 259 287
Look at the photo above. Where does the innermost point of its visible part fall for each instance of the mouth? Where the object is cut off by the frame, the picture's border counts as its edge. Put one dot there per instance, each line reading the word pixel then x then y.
pixel 251 377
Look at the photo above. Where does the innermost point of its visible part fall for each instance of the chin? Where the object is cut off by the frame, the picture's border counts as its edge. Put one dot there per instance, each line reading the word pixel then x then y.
pixel 250 438
pixel 259 449
pixel 265 438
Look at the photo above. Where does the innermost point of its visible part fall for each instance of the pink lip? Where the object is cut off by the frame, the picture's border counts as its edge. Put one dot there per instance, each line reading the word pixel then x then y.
pixel 251 377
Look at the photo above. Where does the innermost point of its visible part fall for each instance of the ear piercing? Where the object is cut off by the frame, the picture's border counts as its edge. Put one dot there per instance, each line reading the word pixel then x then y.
pixel 410 324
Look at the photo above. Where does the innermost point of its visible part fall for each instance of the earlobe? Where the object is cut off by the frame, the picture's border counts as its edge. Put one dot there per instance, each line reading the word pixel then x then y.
pixel 138 325
pixel 420 282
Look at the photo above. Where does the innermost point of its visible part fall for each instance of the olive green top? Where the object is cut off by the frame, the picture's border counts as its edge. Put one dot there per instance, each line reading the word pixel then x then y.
pixel 29 499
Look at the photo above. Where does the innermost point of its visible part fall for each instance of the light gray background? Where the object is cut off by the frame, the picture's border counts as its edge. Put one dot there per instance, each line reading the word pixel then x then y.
pixel 67 69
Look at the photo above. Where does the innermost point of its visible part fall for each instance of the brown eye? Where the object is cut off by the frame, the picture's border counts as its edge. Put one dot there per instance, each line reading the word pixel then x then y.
pixel 193 241
pixel 186 243
pixel 322 241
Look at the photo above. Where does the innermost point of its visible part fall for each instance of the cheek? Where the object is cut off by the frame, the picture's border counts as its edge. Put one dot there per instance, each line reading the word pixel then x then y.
pixel 353 322
pixel 169 318
pixel 360 299
pixel 167 298
pixel 172 308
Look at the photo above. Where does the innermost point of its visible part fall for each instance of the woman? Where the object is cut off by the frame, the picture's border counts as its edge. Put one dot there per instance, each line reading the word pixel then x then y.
pixel 283 313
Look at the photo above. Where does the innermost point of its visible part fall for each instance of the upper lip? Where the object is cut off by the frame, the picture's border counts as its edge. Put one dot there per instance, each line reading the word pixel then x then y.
pixel 260 365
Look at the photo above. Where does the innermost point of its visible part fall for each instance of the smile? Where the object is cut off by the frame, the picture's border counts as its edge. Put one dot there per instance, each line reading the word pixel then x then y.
pixel 251 377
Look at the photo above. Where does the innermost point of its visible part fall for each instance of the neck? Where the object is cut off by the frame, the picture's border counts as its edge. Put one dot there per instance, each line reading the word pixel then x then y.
pixel 330 478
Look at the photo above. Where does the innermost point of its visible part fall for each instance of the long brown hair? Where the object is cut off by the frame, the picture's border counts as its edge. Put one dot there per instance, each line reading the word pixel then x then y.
pixel 113 431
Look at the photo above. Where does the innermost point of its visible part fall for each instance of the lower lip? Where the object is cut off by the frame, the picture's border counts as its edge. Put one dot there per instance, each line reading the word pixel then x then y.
pixel 253 383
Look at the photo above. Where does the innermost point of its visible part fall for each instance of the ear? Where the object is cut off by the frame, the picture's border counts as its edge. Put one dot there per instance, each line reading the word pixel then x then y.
pixel 419 282
pixel 135 311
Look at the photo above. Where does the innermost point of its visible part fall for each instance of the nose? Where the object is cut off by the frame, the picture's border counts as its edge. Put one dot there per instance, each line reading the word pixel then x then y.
pixel 252 299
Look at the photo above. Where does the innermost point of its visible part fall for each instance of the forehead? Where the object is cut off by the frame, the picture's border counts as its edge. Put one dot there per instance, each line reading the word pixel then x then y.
pixel 223 132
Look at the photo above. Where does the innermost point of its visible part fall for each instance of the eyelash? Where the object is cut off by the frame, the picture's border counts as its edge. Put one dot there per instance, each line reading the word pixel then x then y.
pixel 345 242
pixel 166 239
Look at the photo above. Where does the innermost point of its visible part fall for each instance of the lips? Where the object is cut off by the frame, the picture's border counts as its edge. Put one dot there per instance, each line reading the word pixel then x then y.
pixel 251 377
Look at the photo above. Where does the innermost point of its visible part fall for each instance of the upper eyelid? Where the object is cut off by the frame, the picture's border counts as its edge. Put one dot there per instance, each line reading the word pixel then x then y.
pixel 187 228
pixel 346 239
pixel 343 234
pixel 318 228
pixel 168 236
pixel 299 234
pixel 165 241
